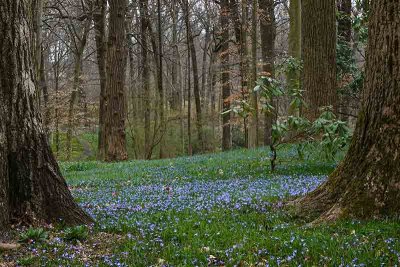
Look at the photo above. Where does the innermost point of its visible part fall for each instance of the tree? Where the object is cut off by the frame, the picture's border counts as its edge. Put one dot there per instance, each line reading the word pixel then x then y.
pixel 293 75
pixel 99 19
pixel 145 75
pixel 79 32
pixel 32 189
pixel 319 55
pixel 253 129
pixel 196 87
pixel 344 42
pixel 115 95
pixel 344 20
pixel 367 183
pixel 225 79
pixel 268 35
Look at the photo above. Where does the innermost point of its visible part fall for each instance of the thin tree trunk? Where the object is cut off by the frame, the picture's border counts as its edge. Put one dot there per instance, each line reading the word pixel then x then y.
pixel 204 73
pixel 366 183
pixel 145 77
pixel 241 28
pixel 226 86
pixel 196 88
pixel 115 94
pixel 268 35
pixel 344 38
pixel 253 129
pixel 344 21
pixel 32 187
pixel 77 82
pixel 73 100
pixel 99 18
pixel 45 90
pixel 56 77
pixel 163 123
pixel 175 93
pixel 189 95
pixel 319 55
pixel 293 75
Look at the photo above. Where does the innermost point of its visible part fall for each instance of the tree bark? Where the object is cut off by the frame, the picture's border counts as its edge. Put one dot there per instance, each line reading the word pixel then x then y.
pixel 115 95
pixel 226 86
pixel 241 27
pixel 253 129
pixel 344 21
pixel 319 55
pixel 175 102
pixel 80 40
pixel 268 35
pixel 367 183
pixel 32 189
pixel 344 39
pixel 145 74
pixel 293 76
pixel 196 87
pixel 99 19
pixel 163 122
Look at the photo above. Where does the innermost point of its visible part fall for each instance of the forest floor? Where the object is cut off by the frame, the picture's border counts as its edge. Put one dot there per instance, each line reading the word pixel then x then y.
pixel 210 210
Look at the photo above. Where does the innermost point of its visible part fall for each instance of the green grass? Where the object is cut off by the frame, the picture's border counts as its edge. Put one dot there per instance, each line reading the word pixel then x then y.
pixel 217 210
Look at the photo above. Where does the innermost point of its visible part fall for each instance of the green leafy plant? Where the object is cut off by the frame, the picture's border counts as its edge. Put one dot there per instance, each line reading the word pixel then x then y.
pixel 34 235
pixel 335 133
pixel 26 261
pixel 77 233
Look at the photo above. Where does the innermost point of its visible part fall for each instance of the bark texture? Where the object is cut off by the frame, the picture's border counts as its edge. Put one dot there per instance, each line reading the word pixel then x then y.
pixel 319 55
pixel 145 75
pixel 99 19
pixel 293 76
pixel 115 95
pixel 196 86
pixel 344 21
pixel 32 189
pixel 367 183
pixel 252 141
pixel 268 35
pixel 226 86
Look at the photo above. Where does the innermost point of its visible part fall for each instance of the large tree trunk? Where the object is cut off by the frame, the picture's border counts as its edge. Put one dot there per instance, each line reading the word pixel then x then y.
pixel 99 19
pixel 32 189
pixel 319 55
pixel 115 96
pixel 226 86
pixel 367 183
pixel 268 34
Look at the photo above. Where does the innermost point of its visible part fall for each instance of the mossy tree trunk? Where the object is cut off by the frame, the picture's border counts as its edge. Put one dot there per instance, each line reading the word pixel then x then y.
pixel 367 183
pixel 319 55
pixel 32 189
